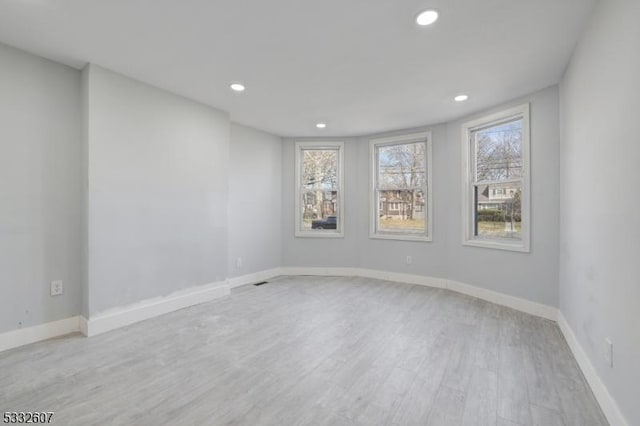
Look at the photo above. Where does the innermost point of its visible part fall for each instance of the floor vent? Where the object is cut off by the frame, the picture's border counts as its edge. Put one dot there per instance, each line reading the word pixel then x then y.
pixel 260 283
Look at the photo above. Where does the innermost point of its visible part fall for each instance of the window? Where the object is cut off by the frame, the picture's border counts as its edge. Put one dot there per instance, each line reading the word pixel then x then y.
pixel 319 186
pixel 401 187
pixel 496 183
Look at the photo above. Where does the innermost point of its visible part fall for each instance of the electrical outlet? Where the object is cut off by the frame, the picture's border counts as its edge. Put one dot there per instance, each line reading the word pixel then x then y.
pixel 409 260
pixel 239 262
pixel 57 288
pixel 608 352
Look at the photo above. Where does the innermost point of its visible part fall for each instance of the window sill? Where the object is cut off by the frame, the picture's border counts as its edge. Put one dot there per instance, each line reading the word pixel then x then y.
pixel 398 237
pixel 498 245
pixel 319 234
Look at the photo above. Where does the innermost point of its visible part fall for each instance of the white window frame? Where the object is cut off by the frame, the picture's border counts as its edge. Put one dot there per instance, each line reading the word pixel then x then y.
pixel 468 180
pixel 319 233
pixel 373 189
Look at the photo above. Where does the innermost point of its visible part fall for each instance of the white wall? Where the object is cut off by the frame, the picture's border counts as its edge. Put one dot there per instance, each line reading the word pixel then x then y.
pixel 532 276
pixel 428 258
pixel 255 201
pixel 600 206
pixel 321 252
pixel 40 189
pixel 158 190
pixel 122 191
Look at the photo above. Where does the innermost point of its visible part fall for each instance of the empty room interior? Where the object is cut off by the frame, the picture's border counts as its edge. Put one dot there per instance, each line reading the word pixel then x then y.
pixel 282 212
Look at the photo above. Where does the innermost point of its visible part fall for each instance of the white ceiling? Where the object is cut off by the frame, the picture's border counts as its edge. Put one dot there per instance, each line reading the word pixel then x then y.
pixel 361 66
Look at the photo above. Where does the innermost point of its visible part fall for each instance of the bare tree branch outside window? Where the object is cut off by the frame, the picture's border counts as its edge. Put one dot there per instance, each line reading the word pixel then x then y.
pixel 401 181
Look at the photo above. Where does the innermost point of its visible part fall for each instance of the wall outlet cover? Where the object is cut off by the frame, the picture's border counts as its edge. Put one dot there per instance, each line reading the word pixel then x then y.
pixel 57 288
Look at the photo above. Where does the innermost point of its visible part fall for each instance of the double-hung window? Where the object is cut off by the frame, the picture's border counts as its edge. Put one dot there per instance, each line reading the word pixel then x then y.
pixel 496 180
pixel 401 187
pixel 319 189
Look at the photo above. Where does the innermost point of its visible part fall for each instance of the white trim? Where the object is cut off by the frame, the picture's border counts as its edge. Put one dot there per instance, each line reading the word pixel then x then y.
pixel 523 305
pixel 402 278
pixel 318 271
pixel 486 121
pixel 406 138
pixel 123 316
pixel 127 315
pixel 425 137
pixel 317 233
pixel 400 237
pixel 496 244
pixel 24 336
pixel 254 277
pixel 607 403
pixel 84 326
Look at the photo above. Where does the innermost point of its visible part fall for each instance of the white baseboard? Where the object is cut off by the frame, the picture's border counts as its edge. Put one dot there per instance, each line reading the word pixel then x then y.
pixel 607 403
pixel 254 277
pixel 318 271
pixel 120 317
pixel 123 316
pixel 402 278
pixel 36 333
pixel 533 308
pixel 523 305
pixel 366 273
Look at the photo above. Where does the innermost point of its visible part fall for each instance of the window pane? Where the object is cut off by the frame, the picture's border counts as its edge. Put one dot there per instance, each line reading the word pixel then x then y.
pixel 498 211
pixel 402 166
pixel 319 209
pixel 499 151
pixel 319 169
pixel 402 211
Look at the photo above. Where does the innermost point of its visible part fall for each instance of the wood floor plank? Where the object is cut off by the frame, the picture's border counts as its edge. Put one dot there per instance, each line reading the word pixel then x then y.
pixel 513 397
pixel 447 408
pixel 543 416
pixel 311 351
pixel 481 400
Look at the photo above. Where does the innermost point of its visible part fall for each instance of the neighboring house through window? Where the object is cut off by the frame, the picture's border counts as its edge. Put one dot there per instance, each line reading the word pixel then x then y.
pixel 401 187
pixel 496 180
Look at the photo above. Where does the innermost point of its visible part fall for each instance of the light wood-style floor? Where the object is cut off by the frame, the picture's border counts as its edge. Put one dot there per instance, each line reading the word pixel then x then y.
pixel 310 350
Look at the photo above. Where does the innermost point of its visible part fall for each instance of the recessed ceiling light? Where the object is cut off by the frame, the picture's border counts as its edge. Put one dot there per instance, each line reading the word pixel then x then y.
pixel 427 17
pixel 321 125
pixel 461 98
pixel 237 87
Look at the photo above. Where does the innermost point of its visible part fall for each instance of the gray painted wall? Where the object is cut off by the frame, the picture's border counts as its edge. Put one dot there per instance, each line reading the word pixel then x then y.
pixel 429 258
pixel 40 189
pixel 167 180
pixel 158 189
pixel 316 252
pixel 255 201
pixel 122 190
pixel 600 231
pixel 533 276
